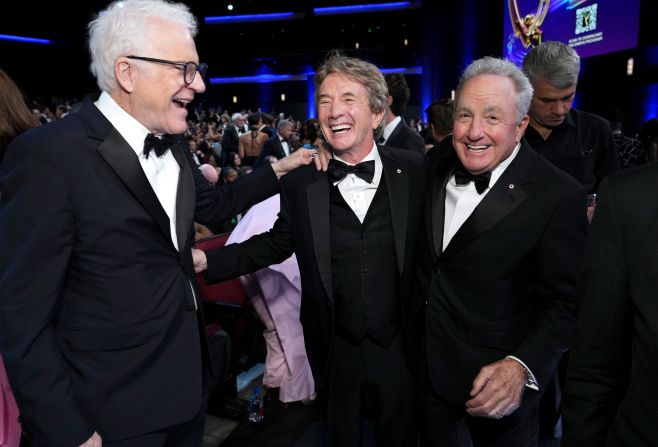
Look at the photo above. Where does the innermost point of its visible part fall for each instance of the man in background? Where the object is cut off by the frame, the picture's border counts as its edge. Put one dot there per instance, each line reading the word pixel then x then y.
pixel 577 142
pixel 396 132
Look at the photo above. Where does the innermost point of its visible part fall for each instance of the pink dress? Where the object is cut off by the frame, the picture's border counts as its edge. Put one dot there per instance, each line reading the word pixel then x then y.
pixel 10 429
pixel 275 293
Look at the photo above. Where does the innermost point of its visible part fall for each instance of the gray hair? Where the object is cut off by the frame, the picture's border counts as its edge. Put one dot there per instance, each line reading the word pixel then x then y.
pixel 236 116
pixel 283 123
pixel 500 67
pixel 552 62
pixel 120 30
pixel 361 72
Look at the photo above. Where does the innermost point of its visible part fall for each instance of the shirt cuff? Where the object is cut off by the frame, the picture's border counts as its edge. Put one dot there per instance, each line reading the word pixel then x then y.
pixel 530 381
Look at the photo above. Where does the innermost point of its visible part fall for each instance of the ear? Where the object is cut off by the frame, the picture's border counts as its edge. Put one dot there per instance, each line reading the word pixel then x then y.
pixel 377 118
pixel 521 127
pixel 124 73
pixel 389 100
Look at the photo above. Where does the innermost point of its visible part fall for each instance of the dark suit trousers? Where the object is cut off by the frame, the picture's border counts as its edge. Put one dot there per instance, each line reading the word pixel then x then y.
pixel 368 376
pixel 447 424
pixel 188 434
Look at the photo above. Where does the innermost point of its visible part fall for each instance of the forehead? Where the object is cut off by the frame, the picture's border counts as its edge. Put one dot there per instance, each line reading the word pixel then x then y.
pixel 487 91
pixel 545 90
pixel 338 83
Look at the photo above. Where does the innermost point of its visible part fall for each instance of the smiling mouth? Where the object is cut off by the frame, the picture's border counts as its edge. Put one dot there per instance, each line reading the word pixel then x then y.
pixel 477 148
pixel 340 128
pixel 182 103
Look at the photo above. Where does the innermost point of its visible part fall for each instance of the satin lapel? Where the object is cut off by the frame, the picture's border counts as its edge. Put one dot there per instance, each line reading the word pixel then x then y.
pixel 509 192
pixel 122 159
pixel 397 184
pixel 317 196
pixel 442 172
pixel 185 200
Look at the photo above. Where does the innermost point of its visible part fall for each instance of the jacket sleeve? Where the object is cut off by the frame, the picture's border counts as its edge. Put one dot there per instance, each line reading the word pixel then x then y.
pixel 598 369
pixel 261 250
pixel 37 233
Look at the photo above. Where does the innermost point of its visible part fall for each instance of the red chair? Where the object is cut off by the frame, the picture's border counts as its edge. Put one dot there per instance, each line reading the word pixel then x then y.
pixel 225 293
pixel 226 304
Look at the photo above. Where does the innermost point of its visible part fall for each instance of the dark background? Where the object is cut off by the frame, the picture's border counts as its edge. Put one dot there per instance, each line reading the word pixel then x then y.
pixel 442 37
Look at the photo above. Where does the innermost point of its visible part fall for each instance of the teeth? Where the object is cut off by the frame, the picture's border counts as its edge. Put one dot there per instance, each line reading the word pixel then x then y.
pixel 340 127
pixel 472 147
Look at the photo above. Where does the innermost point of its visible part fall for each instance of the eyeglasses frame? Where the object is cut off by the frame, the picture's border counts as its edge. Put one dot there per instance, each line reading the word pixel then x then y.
pixel 199 68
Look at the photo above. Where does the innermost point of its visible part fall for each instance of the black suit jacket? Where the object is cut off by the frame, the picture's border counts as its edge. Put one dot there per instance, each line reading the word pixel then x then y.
pixel 272 146
pixel 98 329
pixel 230 140
pixel 611 393
pixel 303 228
pixel 506 282
pixel 404 137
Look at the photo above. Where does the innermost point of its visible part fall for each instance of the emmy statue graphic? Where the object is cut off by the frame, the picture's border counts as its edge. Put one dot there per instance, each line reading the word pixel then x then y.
pixel 527 28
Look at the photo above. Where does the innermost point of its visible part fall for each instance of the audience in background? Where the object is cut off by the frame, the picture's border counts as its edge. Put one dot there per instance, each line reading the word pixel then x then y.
pixel 629 150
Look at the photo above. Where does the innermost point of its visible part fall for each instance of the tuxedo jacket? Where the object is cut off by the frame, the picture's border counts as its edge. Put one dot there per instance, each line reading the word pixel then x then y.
pixel 303 228
pixel 98 324
pixel 506 282
pixel 404 137
pixel 272 146
pixel 611 395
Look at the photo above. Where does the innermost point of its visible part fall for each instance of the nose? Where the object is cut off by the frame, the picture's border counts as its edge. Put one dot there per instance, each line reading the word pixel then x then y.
pixel 475 130
pixel 197 84
pixel 561 108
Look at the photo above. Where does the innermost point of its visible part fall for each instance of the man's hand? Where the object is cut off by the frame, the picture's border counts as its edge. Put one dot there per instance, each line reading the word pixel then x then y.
pixel 200 260
pixel 301 157
pixel 497 390
pixel 94 441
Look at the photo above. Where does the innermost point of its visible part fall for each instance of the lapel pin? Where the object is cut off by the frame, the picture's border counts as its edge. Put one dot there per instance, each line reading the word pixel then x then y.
pixel 511 186
pixel 399 171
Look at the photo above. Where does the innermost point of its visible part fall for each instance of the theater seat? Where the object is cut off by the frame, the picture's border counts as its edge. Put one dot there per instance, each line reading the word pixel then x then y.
pixel 225 293
pixel 226 304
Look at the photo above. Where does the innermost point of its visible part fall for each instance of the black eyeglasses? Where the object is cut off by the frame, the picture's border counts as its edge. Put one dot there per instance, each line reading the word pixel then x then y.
pixel 189 69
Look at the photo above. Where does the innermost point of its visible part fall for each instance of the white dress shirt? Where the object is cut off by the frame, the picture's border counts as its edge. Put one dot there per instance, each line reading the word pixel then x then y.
pixel 357 192
pixel 461 200
pixel 284 145
pixel 161 172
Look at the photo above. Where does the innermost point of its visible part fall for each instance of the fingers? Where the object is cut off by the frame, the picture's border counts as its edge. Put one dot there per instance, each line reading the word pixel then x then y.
pixel 497 390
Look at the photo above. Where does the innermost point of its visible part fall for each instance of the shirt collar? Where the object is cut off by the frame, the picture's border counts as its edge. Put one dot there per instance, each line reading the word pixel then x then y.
pixel 390 127
pixel 130 129
pixel 373 155
pixel 498 170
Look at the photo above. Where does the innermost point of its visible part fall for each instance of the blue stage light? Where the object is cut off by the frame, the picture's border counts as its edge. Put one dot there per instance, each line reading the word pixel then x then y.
pixel 25 39
pixel 272 17
pixel 354 9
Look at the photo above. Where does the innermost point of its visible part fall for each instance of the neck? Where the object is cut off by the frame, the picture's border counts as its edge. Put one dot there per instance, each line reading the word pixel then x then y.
pixel 355 155
pixel 544 131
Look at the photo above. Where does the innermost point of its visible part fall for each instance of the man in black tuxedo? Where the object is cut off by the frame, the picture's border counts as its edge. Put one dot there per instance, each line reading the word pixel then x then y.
pixel 396 132
pixel 611 393
pixel 101 333
pixel 505 232
pixel 354 233
pixel 278 145
pixel 231 138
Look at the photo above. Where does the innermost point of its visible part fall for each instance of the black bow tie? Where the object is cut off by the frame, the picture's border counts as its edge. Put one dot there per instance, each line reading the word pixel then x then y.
pixel 463 177
pixel 338 170
pixel 159 145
